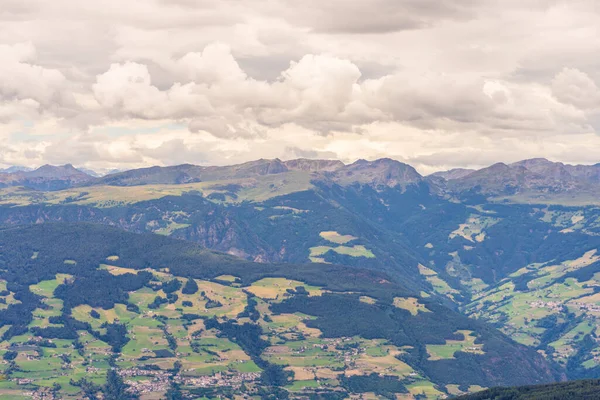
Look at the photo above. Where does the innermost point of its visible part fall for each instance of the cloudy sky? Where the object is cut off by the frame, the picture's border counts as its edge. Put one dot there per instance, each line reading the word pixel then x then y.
pixel 434 83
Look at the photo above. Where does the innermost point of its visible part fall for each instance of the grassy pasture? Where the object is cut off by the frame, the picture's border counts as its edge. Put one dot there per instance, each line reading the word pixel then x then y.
pixel 425 388
pixel 315 360
pixel 423 270
pixel 455 391
pixel 227 278
pixel 354 251
pixel 446 351
pixel 547 295
pixel 367 299
pixel 117 313
pixel 473 229
pixel 118 270
pixel 111 196
pixel 334 237
pixel 439 285
pixel 46 288
pixel 410 304
pixel 275 288
pixel 170 228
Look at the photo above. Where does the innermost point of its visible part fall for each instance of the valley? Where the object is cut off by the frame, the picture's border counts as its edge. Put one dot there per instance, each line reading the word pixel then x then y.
pixel 526 269
pixel 228 327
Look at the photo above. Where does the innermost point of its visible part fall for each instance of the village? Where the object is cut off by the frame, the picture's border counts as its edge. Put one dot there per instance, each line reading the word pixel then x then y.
pixel 161 380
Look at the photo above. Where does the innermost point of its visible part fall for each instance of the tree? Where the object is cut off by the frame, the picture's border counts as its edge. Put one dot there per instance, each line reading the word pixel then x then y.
pixel 190 287
pixel 174 392
pixel 275 375
pixel 115 388
pixel 56 387
pixel 171 286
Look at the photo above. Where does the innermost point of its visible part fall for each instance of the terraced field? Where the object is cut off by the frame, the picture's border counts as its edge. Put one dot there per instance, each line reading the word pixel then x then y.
pixel 317 252
pixel 162 315
pixel 552 306
pixel 171 335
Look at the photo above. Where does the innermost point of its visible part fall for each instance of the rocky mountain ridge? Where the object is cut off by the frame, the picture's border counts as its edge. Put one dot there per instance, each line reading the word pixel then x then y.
pixel 536 178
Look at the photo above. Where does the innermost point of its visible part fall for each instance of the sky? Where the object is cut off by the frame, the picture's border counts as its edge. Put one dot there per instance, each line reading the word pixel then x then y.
pixel 437 84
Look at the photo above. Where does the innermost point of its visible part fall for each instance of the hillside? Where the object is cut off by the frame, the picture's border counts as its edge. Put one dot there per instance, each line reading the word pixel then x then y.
pixel 529 181
pixel 529 269
pixel 166 314
pixel 576 390
pixel 46 177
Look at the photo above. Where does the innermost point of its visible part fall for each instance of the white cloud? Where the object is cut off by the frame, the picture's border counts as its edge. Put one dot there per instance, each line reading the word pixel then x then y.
pixel 436 83
pixel 127 90
pixel 21 79
pixel 572 86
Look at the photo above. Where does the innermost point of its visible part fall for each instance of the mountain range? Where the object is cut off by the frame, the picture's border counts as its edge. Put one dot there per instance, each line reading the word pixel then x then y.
pixel 509 254
pixel 524 181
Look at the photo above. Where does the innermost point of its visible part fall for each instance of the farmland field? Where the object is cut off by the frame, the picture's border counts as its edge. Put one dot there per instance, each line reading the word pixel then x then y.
pixel 160 337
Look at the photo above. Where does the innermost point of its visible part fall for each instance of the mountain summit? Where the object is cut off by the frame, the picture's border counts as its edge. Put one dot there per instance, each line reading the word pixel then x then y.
pixel 46 177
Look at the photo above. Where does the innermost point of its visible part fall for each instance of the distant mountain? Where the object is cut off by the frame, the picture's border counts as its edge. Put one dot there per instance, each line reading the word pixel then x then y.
pixel 188 173
pixel 56 172
pixel 455 173
pixel 14 168
pixel 91 172
pixel 385 172
pixel 528 180
pixel 304 164
pixel 382 172
pixel 46 177
pixel 533 180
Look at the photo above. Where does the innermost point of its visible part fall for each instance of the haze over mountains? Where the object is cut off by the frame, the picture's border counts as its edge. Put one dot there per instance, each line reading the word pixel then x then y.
pixel 524 181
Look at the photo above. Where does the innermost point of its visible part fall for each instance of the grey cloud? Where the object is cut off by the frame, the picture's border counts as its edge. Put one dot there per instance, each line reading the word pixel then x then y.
pixel 296 152
pixel 221 127
pixel 273 78
pixel 572 86
pixel 174 152
pixel 378 16
pixel 87 150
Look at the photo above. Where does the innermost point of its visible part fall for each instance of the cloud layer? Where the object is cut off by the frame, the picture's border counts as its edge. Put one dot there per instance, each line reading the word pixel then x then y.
pixel 216 82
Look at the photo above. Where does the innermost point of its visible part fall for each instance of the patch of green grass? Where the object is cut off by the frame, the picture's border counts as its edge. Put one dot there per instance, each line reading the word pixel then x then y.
pixel 301 385
pixel 425 388
pixel 170 228
pixel 410 304
pixel 446 351
pixel 474 228
pixel 355 251
pixel 334 237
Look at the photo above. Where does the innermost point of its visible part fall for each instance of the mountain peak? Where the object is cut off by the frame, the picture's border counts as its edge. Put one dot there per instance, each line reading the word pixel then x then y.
pixel 535 162
pixel 14 169
pixel 48 170
pixel 262 167
pixel 310 165
pixel 381 172
pixel 499 166
pixel 454 173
